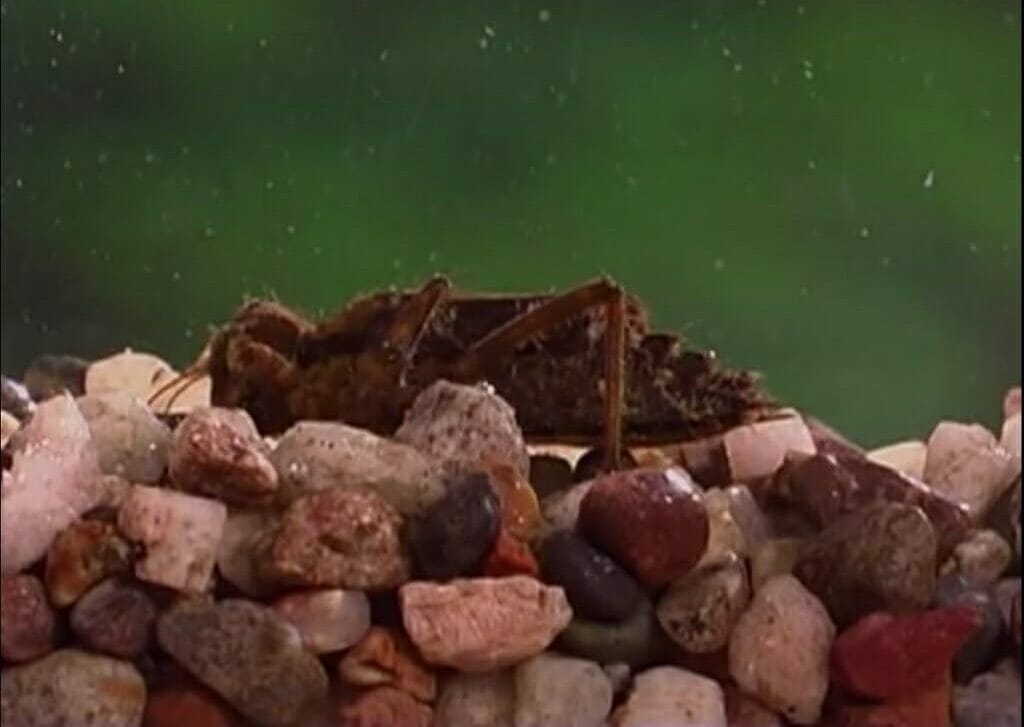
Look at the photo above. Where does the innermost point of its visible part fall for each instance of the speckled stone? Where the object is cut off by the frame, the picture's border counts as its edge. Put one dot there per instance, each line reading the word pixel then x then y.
pixel 114 618
pixel 82 555
pixel 131 442
pixel 384 657
pixel 982 558
pixel 989 700
pixel 597 588
pixel 668 695
pixel 27 626
pixel 979 650
pixel 384 706
pixel 558 690
pixel 328 620
pixel 967 464
pixel 699 610
pixel 638 641
pixel 476 700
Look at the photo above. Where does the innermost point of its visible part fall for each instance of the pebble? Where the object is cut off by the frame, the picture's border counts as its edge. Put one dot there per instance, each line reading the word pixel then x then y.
pixel 982 558
pixel 327 620
pixel 1011 402
pixel 1009 438
pixel 52 481
pixel 755 451
pixel 668 695
pixel 966 464
pixel 510 556
pixel 82 555
pixel 340 538
pixel 597 588
pixel 130 441
pixel 186 705
pixel 706 461
pixel 72 687
pixel 218 453
pixel 559 690
pixel 384 657
pixel 980 648
pixel 550 474
pixel 464 427
pixel 989 700
pixel 180 534
pixel 1004 593
pixel 638 641
pixel 384 706
pixel 927 707
pixel 246 653
pixel 591 463
pixel 748 516
pixel 779 650
pixel 247 537
pixel 114 618
pixel 621 677
pixel 885 656
pixel 8 426
pixel 561 510
pixel 881 557
pixel 724 534
pixel 743 711
pixel 699 610
pixel 50 375
pixel 906 457
pixel 484 623
pixel 313 456
pixel 452 537
pixel 26 619
pixel 520 510
pixel 129 372
pixel 775 557
pixel 632 515
pixel 476 700
pixel 15 399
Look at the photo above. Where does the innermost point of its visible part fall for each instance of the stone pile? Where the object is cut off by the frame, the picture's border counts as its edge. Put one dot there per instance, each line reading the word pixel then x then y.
pixel 166 570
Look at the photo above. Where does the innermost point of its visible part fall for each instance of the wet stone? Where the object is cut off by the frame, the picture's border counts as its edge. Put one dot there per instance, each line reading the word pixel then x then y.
pixel 667 695
pixel 550 474
pixel 186 705
pixel 968 465
pixel 980 649
pixel 755 451
pixel 482 624
pixel 906 457
pixel 114 618
pixel 327 620
pixel 632 515
pixel 989 700
pixel 927 707
pixel 776 556
pixel 72 687
pixel 476 700
pixel 131 442
pixel 384 657
pixel 247 537
pixel 744 711
pixel 982 558
pixel 51 374
pixel 218 453
pixel 510 556
pixel 881 557
pixel 560 690
pixel 8 427
pixel 15 399
pixel 597 588
pixel 340 538
pixel 699 610
pixel 452 537
pixel 243 651
pixel 520 510
pixel 562 509
pixel 638 641
pixel 620 675
pixel 384 706
pixel 26 619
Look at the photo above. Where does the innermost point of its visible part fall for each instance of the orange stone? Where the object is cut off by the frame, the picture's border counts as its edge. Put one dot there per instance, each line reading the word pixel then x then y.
pixel 386 658
pixel 191 706
pixel 928 707
pixel 520 511
pixel 510 556
pixel 385 707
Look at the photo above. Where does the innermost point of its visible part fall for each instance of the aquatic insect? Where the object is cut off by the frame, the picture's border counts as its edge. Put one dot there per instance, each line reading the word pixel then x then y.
pixel 580 367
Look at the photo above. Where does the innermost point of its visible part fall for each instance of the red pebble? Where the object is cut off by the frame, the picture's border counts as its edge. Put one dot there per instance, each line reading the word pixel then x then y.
pixel 26 619
pixel 928 707
pixel 509 557
pixel 744 711
pixel 651 521
pixel 884 656
pixel 189 706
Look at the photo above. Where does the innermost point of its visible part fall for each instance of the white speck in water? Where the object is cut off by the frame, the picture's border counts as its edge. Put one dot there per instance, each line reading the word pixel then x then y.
pixel 317 250
pixel 865 232
pixel 737 67
pixel 973 247
pixel 269 185
pixel 929 179
pixel 175 276
pixel 290 229
pixel 263 43
pixel 396 264
pixel 800 10
pixel 18 182
pixel 483 43
pixel 383 56
pixel 543 15
pixel 719 264
pixel 488 31
pixel 811 164
pixel 726 53
pixel 208 231
pixel 67 164
pixel 150 157
pixel 120 69
pixel 886 261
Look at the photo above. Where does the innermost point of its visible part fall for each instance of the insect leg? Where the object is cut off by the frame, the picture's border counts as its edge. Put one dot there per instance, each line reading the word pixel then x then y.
pixel 403 335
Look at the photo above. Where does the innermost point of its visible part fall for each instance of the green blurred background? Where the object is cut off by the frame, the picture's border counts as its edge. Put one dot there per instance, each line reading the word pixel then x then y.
pixel 826 192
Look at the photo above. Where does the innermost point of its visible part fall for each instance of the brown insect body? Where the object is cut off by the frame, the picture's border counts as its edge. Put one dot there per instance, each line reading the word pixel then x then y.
pixel 550 360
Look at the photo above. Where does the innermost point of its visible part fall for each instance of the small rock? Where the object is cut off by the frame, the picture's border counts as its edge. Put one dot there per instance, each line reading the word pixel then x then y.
pixel 1009 439
pixel 313 456
pixel 638 641
pixel 476 700
pixel 827 440
pixel 180 533
pixel 591 463
pixel 699 610
pixel 127 372
pixel 597 588
pixel 26 619
pixel 1011 402
pixel 560 690
pixel 779 651
pixel 50 375
pixel 52 481
pixel 775 557
pixel 464 427
pixel 8 426
pixel 385 706
pixel 881 557
pixel 706 461
pixel 247 538
pixel 632 515
pixel 967 464
pixel 520 510
pixel 71 687
pixel 185 705
pixel 340 538
pixel 218 453
pixel 454 534
pixel 483 623
pixel 15 399
pixel 724 534
pixel 748 516
pixel 757 450
pixel 114 618
pixel 990 700
pixel 549 474
pixel 906 457
pixel 884 656
pixel 980 648
pixel 620 675
pixel 982 558
pixel 927 707
pixel 82 555
pixel 1004 593
pixel 385 658
pixel 510 557
pixel 131 442
pixel 742 711
pixel 245 653
pixel 561 510
pixel 667 695
pixel 328 620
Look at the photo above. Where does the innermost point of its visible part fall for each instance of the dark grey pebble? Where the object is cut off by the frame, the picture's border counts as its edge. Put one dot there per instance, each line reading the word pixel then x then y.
pixel 597 588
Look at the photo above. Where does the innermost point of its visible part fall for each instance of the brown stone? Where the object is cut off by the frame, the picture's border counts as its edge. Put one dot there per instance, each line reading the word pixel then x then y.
pixel 385 707
pixel 520 509
pixel 928 707
pixel 82 555
pixel 26 619
pixel 340 538
pixel 114 618
pixel 508 557
pixel 652 522
pixel 385 658
pixel 699 610
pixel 744 711
pixel 191 705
